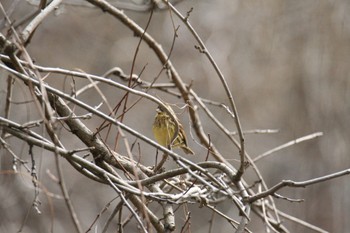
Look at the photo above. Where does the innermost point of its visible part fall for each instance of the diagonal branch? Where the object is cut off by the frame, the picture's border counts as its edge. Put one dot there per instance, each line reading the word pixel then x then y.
pixel 297 184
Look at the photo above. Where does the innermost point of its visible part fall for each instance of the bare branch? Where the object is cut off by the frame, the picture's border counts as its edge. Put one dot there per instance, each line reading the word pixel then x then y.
pixel 29 30
pixel 288 144
pixel 297 184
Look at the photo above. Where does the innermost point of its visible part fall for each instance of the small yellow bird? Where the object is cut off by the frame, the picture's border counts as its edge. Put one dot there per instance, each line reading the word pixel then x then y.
pixel 164 129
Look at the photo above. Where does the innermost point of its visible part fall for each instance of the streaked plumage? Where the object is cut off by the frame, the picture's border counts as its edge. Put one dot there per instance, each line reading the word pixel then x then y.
pixel 164 129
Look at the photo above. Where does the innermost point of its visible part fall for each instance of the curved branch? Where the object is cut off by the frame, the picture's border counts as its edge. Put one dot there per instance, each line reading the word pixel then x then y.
pixel 204 50
pixel 297 184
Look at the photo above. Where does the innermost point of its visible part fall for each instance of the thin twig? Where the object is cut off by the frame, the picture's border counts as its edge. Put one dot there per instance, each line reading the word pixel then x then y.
pixel 298 184
pixel 288 144
pixel 126 203
pixel 204 50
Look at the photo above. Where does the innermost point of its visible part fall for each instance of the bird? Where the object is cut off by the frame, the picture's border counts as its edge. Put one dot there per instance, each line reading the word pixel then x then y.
pixel 164 129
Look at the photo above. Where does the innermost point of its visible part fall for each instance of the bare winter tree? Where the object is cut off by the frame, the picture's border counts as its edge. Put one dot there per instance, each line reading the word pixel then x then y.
pixel 81 81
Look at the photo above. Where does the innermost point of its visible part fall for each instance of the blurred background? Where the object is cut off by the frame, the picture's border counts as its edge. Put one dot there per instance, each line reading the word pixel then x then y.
pixel 286 62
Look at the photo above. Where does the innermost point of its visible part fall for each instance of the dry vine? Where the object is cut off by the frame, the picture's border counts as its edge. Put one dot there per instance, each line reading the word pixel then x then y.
pixel 141 191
